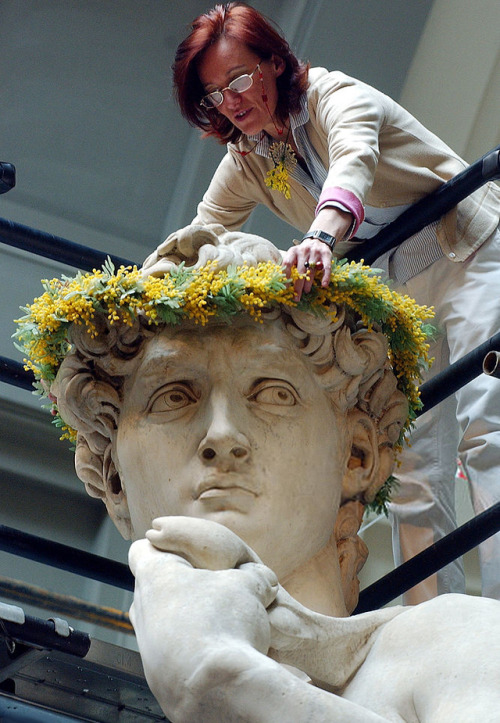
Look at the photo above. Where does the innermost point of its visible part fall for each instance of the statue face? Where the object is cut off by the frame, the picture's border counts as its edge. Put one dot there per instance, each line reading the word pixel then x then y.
pixel 230 424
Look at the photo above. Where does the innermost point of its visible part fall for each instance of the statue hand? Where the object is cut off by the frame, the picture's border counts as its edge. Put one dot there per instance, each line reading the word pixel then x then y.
pixel 207 636
pixel 192 623
pixel 206 545
pixel 195 578
pixel 203 543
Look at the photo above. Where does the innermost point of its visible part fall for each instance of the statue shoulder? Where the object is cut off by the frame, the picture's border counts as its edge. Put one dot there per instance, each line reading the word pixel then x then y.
pixel 437 661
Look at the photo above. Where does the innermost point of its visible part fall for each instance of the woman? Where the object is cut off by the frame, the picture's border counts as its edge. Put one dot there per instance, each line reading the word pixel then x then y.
pixel 338 160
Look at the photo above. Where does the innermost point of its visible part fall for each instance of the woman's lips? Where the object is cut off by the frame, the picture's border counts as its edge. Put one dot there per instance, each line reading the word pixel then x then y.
pixel 242 115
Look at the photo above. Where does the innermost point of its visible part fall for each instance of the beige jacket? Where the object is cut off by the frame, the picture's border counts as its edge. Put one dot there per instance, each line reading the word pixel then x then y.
pixel 374 149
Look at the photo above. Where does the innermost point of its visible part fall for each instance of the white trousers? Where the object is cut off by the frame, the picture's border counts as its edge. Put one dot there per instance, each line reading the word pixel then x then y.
pixel 466 299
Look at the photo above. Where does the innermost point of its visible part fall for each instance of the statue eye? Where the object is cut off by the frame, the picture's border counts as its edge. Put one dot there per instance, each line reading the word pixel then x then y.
pixel 172 398
pixel 275 393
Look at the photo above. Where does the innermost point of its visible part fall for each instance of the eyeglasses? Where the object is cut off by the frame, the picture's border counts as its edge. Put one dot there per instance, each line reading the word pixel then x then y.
pixel 238 85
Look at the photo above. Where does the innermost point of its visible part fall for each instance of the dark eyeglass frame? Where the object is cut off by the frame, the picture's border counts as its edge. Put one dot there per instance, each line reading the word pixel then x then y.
pixel 209 100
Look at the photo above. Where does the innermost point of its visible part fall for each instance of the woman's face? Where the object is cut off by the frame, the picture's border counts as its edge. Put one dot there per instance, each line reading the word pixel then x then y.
pixel 248 111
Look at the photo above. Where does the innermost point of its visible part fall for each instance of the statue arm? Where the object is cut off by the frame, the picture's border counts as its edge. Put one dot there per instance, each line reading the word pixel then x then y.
pixel 238 683
pixel 204 635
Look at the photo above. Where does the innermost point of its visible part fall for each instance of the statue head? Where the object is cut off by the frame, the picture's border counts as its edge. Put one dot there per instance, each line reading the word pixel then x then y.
pixel 268 420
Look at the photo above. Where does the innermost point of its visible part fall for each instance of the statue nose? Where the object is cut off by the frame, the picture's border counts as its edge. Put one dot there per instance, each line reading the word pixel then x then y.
pixel 224 439
pixel 237 452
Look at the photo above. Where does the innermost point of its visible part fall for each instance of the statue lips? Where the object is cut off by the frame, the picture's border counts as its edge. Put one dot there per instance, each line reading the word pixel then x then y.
pixel 225 491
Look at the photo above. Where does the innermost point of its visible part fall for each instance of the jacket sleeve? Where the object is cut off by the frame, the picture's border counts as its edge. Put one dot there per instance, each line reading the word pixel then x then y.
pixel 227 200
pixel 351 116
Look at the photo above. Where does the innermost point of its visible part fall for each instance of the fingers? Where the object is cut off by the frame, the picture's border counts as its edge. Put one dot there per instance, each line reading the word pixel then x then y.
pixel 262 580
pixel 136 553
pixel 312 258
pixel 144 559
pixel 203 543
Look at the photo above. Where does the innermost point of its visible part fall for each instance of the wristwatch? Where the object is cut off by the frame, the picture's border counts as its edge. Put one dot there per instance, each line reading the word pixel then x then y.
pixel 327 238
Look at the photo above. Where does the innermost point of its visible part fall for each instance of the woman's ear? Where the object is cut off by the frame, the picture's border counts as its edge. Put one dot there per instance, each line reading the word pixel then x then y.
pixel 278 65
pixel 363 464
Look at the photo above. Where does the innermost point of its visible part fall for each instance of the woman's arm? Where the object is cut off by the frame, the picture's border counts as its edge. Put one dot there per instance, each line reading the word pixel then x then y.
pixel 227 200
pixel 349 116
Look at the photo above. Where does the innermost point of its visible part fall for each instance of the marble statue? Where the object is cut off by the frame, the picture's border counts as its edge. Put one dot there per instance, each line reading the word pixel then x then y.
pixel 238 458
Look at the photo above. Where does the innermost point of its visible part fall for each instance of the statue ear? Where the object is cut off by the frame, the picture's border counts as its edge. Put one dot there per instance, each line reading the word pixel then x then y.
pixel 363 465
pixel 95 467
pixel 115 497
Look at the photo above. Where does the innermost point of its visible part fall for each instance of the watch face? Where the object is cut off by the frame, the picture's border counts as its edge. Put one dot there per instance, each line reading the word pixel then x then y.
pixel 327 238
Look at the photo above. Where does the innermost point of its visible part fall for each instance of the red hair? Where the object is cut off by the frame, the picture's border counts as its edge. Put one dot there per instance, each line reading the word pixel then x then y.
pixel 246 25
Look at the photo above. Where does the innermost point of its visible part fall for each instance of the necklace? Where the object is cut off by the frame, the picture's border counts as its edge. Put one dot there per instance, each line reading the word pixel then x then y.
pixel 285 160
pixel 246 153
pixel 280 152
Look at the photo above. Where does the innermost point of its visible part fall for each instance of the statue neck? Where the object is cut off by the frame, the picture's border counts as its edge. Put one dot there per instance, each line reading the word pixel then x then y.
pixel 317 583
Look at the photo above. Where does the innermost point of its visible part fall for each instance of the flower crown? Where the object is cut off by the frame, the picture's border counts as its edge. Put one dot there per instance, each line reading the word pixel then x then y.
pixel 202 293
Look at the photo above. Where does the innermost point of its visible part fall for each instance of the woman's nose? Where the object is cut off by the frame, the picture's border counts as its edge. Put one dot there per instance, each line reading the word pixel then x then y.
pixel 232 99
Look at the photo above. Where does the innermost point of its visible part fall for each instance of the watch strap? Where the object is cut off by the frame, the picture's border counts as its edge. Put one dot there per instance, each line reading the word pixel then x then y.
pixel 327 238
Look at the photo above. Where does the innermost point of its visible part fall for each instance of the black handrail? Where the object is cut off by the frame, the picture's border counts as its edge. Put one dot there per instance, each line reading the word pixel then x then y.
pixel 395 583
pixel 430 560
pixel 39 633
pixel 425 211
pixel 430 208
pixel 65 557
pixel 457 375
pixel 55 247
pixel 7 177
pixel 13 372
pixel 432 392
pixel 411 221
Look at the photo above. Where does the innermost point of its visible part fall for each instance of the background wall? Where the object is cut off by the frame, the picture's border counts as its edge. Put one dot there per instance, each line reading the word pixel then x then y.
pixel 104 159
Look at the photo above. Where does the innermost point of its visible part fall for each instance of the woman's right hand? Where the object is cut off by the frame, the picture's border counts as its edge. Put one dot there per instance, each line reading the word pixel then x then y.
pixel 313 256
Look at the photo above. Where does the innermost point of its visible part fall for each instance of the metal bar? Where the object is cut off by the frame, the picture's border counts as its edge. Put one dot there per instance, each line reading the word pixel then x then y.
pixel 430 208
pixel 27 594
pixel 457 375
pixel 13 710
pixel 55 247
pixel 13 372
pixel 7 176
pixel 430 560
pixel 36 632
pixel 65 557
pixel 432 392
pixel 426 211
pixel 419 215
